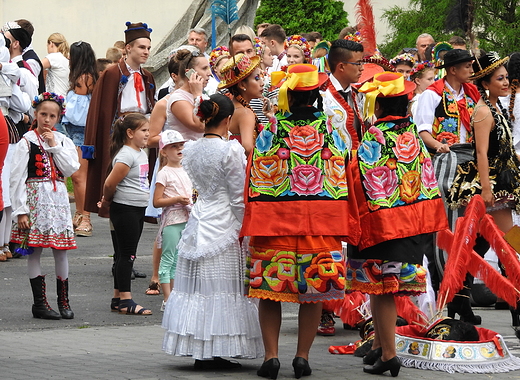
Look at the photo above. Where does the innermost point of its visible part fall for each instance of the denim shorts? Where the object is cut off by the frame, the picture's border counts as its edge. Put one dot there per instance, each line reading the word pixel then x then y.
pixel 75 132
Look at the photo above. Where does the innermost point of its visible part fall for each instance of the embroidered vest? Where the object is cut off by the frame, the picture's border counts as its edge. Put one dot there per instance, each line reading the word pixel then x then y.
pixel 447 125
pixel 39 165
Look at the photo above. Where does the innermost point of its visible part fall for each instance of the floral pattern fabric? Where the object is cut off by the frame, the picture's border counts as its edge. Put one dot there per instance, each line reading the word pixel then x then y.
pixel 298 158
pixel 446 125
pixel 395 166
pixel 287 275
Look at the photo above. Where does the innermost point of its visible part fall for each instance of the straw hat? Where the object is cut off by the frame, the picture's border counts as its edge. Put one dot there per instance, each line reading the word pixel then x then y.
pixel 236 69
pixel 487 64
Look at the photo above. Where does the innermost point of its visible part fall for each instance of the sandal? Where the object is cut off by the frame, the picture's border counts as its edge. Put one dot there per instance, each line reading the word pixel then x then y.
pixel 7 251
pixel 154 289
pixel 131 307
pixel 3 256
pixel 114 304
pixel 76 219
pixel 84 228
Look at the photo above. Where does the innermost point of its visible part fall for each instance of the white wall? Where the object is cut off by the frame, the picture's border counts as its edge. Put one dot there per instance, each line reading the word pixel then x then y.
pixel 99 22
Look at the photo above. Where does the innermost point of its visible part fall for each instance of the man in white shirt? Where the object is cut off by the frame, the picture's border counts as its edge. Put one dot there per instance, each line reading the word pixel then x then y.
pixel 274 37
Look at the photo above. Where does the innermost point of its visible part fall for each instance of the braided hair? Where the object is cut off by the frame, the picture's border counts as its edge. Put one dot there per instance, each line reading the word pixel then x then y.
pixel 513 69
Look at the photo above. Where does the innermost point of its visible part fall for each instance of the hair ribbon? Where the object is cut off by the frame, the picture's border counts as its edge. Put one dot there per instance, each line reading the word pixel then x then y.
pixel 292 80
pixel 376 87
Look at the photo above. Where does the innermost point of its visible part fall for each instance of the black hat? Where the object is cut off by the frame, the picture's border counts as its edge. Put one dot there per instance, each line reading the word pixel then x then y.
pixel 18 33
pixel 454 57
pixel 487 63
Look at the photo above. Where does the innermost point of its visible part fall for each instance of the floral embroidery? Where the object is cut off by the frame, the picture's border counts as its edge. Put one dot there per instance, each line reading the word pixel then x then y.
pixel 395 166
pixel 301 159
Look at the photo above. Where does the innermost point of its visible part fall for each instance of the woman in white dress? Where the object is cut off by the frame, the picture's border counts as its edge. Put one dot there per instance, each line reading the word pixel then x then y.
pixel 207 315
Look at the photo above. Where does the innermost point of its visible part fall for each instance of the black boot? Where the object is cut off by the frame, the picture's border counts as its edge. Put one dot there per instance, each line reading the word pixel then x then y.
pixel 62 287
pixel 41 308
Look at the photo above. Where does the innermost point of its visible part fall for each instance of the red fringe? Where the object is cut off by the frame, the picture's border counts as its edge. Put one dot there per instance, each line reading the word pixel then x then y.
pixel 497 283
pixel 506 254
pixel 366 26
pixel 347 309
pixel 410 312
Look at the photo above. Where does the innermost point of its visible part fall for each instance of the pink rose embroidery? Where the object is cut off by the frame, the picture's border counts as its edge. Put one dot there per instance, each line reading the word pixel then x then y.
pixel 406 147
pixel 377 134
pixel 380 182
pixel 306 180
pixel 428 174
pixel 304 140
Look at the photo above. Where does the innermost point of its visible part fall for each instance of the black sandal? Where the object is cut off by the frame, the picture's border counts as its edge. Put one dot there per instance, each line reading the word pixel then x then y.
pixel 131 307
pixel 114 304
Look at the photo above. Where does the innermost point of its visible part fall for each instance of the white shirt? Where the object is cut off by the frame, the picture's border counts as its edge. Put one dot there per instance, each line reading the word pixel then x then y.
pixel 57 80
pixel 424 115
pixel 128 97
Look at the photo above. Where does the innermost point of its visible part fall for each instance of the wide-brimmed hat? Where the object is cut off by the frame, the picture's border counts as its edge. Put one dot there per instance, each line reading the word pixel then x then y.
pixel 299 77
pixel 236 69
pixel 487 64
pixel 454 57
pixel 386 84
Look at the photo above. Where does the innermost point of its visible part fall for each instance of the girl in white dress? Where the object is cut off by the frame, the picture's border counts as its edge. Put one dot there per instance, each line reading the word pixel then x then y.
pixel 207 315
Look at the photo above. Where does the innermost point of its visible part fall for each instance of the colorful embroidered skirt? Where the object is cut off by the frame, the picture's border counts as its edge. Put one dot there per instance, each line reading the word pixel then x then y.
pixel 379 277
pixel 49 216
pixel 297 268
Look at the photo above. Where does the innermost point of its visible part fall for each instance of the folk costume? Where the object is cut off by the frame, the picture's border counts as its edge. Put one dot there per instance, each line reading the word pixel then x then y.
pixel 117 92
pixel 298 172
pixel 504 165
pixel 393 181
pixel 446 116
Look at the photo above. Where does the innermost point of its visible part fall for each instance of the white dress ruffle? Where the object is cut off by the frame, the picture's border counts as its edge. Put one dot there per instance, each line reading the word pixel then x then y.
pixel 207 314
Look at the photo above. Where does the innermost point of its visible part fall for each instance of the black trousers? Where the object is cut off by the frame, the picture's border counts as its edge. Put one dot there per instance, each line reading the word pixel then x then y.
pixel 128 226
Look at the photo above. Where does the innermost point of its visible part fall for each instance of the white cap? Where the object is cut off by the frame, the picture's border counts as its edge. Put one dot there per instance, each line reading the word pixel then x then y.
pixel 170 137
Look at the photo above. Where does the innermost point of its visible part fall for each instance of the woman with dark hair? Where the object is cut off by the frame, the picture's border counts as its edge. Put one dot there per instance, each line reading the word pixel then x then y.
pixel 207 315
pixel 296 215
pixel 241 75
pixel 394 181
pixel 82 78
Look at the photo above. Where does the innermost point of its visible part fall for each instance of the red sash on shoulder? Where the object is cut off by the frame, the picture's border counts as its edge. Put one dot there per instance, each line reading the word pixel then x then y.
pixel 350 114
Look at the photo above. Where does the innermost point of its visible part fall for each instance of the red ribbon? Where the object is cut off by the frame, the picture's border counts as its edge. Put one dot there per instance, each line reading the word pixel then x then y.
pixel 138 84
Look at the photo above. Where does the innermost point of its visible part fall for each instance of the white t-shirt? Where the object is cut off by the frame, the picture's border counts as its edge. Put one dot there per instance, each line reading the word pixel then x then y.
pixel 134 189
pixel 57 80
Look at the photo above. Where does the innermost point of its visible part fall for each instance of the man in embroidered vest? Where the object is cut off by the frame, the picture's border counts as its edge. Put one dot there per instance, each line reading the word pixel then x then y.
pixel 443 122
pixel 341 102
pixel 122 88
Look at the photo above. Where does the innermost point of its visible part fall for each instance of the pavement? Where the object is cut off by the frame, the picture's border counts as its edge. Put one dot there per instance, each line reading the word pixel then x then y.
pixel 98 344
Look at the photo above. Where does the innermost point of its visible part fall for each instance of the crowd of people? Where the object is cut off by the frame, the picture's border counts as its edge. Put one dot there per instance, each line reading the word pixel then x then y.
pixel 278 169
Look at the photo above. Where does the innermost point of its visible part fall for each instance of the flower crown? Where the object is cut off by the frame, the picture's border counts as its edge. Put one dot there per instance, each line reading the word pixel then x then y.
pixel 259 47
pixel 301 43
pixel 217 54
pixel 422 66
pixel 356 37
pixel 50 96
pixel 403 58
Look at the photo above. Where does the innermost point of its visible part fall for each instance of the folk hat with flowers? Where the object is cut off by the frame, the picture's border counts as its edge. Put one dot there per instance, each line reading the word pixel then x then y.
pixel 299 77
pixel 301 44
pixel 386 84
pixel 236 69
pixel 487 64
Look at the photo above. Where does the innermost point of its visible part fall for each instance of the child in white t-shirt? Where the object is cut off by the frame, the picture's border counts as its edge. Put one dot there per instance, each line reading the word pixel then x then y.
pixel 173 191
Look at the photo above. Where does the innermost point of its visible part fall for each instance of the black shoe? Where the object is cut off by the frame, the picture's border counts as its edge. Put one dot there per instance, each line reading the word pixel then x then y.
pixel 216 363
pixel 371 357
pixel 301 367
pixel 138 274
pixel 394 365
pixel 269 368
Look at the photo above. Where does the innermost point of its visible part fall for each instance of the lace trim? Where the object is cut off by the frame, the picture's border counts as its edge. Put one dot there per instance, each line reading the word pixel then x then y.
pixel 212 249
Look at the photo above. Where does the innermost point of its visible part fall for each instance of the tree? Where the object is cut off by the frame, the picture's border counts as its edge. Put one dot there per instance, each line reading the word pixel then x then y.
pixel 304 16
pixel 495 24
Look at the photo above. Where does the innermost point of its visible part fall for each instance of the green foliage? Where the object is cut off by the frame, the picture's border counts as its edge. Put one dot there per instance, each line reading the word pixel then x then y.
pixel 304 16
pixel 496 24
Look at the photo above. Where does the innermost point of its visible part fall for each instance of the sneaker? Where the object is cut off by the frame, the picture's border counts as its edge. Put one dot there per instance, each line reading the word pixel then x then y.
pixel 163 305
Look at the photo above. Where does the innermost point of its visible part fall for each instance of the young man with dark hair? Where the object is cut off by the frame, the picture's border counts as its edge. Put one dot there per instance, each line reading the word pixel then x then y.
pixel 30 56
pixel 260 28
pixel 274 37
pixel 241 43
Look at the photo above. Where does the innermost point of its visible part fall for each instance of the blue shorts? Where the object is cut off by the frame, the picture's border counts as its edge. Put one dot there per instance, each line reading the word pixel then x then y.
pixel 75 132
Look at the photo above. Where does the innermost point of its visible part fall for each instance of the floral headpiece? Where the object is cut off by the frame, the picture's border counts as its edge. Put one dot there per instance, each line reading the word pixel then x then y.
pixel 51 96
pixel 300 43
pixel 259 47
pixel 217 54
pixel 405 58
pixel 236 69
pixel 440 47
pixel 380 60
pixel 356 37
pixel 421 66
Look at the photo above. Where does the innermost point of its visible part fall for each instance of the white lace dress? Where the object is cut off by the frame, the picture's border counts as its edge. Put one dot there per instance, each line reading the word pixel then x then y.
pixel 33 192
pixel 207 314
